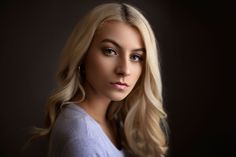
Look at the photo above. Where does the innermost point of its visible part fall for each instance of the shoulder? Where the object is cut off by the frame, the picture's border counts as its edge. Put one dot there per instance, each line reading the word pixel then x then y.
pixel 83 147
pixel 73 122
pixel 74 132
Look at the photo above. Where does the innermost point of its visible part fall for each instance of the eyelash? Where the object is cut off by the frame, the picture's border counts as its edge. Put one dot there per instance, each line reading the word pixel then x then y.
pixel 140 58
pixel 108 51
pixel 112 52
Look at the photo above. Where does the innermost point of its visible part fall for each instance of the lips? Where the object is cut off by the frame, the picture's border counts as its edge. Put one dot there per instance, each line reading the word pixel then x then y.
pixel 120 85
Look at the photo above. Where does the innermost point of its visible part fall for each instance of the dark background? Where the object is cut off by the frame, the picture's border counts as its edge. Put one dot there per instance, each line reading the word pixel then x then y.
pixel 193 39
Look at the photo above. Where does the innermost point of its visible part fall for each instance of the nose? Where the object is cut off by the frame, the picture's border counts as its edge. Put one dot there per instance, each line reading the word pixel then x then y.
pixel 123 67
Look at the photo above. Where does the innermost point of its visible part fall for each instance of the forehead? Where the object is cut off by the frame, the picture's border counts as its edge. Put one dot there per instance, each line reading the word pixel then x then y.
pixel 123 33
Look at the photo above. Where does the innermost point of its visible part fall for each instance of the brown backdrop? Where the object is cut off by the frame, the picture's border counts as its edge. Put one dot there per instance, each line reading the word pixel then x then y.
pixel 192 39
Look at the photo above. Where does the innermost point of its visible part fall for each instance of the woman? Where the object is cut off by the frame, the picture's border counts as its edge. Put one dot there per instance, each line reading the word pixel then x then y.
pixel 108 102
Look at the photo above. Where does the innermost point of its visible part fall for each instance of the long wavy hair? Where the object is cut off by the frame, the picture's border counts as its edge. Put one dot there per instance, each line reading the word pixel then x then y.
pixel 141 114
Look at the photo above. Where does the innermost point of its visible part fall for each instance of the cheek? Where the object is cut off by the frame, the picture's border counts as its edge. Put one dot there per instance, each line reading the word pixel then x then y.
pixel 100 65
pixel 137 72
pixel 97 66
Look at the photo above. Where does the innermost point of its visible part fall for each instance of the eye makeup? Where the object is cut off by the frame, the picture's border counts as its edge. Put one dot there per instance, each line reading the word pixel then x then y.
pixel 108 51
pixel 136 57
pixel 112 48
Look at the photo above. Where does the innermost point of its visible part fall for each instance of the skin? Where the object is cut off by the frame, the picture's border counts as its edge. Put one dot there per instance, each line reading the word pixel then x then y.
pixel 115 55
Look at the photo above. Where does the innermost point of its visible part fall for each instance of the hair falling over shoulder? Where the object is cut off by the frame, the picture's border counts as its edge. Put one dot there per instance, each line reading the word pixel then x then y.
pixel 141 113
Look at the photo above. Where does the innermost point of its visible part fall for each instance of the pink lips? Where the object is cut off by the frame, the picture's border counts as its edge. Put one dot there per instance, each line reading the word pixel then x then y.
pixel 120 85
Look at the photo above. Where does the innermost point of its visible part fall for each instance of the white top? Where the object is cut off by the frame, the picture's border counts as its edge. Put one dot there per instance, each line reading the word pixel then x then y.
pixel 76 134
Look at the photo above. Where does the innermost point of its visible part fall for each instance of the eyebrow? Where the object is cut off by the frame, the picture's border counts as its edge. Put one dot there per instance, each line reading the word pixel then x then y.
pixel 117 45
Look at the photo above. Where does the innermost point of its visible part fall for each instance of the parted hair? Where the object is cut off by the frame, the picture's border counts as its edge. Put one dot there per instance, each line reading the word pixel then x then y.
pixel 141 115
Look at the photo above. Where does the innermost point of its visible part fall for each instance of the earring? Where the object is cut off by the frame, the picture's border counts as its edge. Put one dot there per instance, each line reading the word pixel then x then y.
pixel 81 69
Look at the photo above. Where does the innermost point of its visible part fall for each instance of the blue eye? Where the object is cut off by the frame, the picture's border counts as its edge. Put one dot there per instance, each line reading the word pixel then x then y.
pixel 109 51
pixel 136 57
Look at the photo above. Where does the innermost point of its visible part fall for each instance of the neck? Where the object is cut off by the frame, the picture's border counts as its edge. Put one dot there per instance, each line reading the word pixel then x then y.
pixel 96 109
pixel 95 105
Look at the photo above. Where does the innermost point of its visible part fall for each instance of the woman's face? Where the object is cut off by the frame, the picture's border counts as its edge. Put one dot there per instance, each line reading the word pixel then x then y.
pixel 114 61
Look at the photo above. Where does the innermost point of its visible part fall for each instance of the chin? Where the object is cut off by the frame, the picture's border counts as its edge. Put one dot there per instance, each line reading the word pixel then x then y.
pixel 118 97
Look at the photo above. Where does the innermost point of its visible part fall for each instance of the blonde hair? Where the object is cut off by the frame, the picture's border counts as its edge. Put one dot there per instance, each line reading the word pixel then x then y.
pixel 141 114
